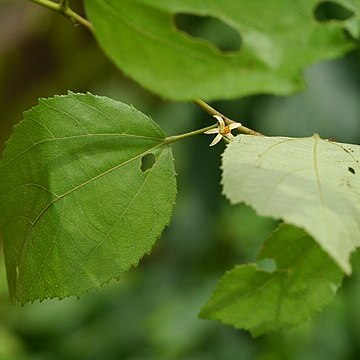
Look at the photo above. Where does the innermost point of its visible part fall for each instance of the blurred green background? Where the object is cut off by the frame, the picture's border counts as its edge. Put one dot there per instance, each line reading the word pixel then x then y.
pixel 152 312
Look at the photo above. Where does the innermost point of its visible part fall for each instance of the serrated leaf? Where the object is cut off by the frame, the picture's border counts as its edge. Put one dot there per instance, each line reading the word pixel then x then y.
pixel 308 182
pixel 279 39
pixel 76 209
pixel 250 298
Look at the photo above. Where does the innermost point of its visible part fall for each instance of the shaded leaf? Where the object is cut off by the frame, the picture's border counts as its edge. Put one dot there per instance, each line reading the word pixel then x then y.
pixel 76 209
pixel 305 280
pixel 277 41
pixel 308 182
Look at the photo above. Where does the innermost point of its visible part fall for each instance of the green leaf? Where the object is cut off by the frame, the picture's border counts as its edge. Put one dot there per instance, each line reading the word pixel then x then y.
pixel 306 279
pixel 308 182
pixel 279 39
pixel 76 209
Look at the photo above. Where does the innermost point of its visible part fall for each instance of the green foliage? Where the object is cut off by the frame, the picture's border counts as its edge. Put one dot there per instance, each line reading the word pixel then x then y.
pixel 308 182
pixel 251 298
pixel 278 41
pixel 87 184
pixel 76 208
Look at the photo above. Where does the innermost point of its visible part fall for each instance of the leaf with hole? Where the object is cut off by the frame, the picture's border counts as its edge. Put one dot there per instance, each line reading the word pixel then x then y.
pixel 305 280
pixel 153 42
pixel 78 206
pixel 308 182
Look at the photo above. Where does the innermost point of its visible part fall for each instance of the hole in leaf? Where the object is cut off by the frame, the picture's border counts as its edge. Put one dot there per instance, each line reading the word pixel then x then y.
pixel 330 10
pixel 147 162
pixel 220 34
pixel 352 170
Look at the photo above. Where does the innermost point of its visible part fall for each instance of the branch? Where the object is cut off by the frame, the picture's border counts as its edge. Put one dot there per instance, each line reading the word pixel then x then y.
pixel 64 4
pixel 64 9
pixel 210 110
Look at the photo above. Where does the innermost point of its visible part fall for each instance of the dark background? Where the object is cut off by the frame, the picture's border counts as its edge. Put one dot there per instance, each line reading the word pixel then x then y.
pixel 152 312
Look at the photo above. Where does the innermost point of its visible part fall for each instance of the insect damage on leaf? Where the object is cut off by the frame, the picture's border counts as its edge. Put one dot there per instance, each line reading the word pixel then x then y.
pixel 84 195
pixel 265 63
pixel 300 181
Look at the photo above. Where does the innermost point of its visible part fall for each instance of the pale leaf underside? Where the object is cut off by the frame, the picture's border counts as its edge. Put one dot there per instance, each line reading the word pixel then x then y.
pixel 308 182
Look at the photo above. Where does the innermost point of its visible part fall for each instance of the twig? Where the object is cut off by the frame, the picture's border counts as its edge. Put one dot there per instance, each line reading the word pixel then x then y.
pixel 64 9
pixel 211 111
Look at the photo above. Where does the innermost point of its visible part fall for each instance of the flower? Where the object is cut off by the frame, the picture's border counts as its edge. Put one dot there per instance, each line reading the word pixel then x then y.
pixel 222 131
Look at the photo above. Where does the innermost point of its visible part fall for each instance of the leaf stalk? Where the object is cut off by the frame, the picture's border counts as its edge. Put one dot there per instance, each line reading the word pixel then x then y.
pixel 174 138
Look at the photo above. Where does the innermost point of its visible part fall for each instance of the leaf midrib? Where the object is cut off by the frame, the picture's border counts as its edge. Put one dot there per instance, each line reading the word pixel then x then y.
pixel 77 137
pixel 77 188
pixel 121 216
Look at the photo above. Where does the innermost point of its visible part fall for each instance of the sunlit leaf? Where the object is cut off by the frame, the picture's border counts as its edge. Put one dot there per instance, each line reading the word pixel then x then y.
pixel 250 298
pixel 77 208
pixel 308 182
pixel 278 39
